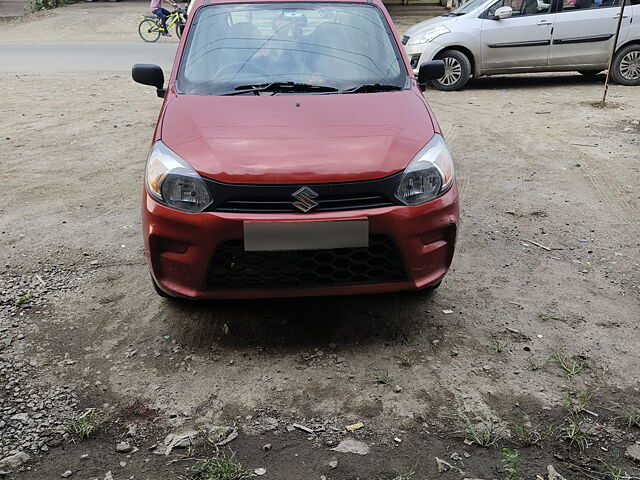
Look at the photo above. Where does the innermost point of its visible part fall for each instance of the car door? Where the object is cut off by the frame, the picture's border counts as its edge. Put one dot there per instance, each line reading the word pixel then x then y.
pixel 519 42
pixel 584 30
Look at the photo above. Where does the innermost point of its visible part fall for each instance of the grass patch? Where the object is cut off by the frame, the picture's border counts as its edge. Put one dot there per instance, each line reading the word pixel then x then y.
pixel 632 417
pixel 498 345
pixel 576 431
pixel 22 299
pixel 511 464
pixel 570 365
pixel 84 424
pixel 220 467
pixel 405 359
pixel 485 433
pixel 406 475
pixel 382 376
pixel 529 435
pixel 578 403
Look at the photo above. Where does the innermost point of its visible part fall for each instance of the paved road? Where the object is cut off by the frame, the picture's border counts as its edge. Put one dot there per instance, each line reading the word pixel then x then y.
pixel 83 57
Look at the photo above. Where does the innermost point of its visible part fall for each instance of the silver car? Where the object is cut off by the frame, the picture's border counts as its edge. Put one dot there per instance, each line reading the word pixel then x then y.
pixel 487 37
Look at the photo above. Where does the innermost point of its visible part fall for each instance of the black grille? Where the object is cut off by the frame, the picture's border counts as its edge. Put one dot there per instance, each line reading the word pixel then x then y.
pixel 405 39
pixel 234 268
pixel 249 198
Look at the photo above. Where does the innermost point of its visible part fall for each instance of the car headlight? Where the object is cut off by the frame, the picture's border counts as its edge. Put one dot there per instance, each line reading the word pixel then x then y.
pixel 429 174
pixel 429 35
pixel 173 182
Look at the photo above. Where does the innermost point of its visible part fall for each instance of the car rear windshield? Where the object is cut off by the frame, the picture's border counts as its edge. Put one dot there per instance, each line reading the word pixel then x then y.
pixel 314 47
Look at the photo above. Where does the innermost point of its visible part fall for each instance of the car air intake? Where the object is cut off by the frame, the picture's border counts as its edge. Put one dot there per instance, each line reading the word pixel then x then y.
pixel 234 268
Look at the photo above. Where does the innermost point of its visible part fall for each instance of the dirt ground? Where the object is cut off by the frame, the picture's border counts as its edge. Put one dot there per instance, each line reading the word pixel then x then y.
pixel 544 293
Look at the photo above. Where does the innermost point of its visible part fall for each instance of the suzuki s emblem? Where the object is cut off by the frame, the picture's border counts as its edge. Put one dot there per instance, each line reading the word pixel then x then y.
pixel 305 197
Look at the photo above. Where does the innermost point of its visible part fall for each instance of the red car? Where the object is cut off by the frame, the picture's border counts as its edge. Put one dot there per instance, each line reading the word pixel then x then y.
pixel 295 155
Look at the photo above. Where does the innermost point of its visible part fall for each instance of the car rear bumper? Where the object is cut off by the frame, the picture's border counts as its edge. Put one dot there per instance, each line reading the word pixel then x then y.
pixel 181 249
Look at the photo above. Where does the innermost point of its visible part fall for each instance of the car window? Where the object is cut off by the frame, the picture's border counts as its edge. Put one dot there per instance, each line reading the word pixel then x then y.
pixel 337 45
pixel 522 7
pixel 575 5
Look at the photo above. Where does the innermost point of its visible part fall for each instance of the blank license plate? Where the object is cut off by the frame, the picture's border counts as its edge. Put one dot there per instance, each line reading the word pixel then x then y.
pixel 273 236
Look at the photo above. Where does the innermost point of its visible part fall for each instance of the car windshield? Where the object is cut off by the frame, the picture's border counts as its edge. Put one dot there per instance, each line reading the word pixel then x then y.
pixel 467 7
pixel 269 48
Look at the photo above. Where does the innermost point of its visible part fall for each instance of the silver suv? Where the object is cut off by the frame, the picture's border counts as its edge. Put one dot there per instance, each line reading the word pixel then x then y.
pixel 487 37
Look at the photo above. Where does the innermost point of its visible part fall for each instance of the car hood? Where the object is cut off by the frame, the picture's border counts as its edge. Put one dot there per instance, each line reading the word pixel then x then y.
pixel 288 139
pixel 431 23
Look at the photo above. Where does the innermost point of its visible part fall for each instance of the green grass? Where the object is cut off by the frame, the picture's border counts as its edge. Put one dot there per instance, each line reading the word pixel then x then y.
pixel 577 403
pixel 570 365
pixel 405 359
pixel 22 299
pixel 406 475
pixel 576 431
pixel 511 464
pixel 632 417
pixel 498 345
pixel 485 432
pixel 84 424
pixel 220 467
pixel 381 376
pixel 529 435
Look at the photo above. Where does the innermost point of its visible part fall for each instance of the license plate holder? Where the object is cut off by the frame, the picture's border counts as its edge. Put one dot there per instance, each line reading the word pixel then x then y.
pixel 305 235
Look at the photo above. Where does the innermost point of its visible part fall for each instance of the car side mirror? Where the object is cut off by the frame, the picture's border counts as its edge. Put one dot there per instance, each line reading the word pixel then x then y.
pixel 149 75
pixel 432 70
pixel 502 13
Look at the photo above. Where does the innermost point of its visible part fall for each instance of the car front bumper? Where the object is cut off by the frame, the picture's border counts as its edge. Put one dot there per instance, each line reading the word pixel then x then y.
pixel 181 246
pixel 424 52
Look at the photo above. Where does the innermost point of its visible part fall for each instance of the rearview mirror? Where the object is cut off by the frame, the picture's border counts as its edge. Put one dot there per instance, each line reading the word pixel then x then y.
pixel 432 70
pixel 149 75
pixel 502 12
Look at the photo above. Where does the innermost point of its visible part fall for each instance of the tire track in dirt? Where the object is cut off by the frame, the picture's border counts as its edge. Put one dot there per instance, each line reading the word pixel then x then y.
pixel 606 188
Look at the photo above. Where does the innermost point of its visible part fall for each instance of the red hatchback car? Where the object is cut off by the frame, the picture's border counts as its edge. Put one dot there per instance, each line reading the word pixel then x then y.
pixel 295 155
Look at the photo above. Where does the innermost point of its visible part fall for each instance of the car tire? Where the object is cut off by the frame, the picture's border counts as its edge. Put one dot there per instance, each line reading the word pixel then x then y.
pixel 589 73
pixel 457 71
pixel 625 68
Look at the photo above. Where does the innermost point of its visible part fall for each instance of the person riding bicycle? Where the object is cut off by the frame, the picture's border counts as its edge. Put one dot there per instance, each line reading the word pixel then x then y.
pixel 162 13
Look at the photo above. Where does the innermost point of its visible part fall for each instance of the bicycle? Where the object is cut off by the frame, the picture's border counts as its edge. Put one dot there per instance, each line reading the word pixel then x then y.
pixel 150 27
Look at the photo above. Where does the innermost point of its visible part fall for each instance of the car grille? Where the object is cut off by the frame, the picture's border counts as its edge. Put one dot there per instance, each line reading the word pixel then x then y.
pixel 332 197
pixel 234 268
pixel 405 39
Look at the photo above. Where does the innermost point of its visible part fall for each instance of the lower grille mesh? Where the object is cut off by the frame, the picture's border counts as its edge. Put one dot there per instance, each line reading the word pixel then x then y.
pixel 234 268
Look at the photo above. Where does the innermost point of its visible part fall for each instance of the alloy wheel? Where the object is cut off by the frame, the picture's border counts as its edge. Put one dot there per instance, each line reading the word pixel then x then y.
pixel 452 71
pixel 630 65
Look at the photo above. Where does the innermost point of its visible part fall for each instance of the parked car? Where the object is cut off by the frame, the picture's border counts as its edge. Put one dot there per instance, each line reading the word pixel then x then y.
pixel 295 155
pixel 487 37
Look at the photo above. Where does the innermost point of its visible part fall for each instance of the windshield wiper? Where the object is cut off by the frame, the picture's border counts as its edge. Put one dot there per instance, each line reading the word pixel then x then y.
pixel 372 87
pixel 281 87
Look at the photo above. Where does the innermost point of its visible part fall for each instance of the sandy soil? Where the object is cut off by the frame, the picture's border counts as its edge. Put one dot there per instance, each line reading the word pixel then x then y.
pixel 536 162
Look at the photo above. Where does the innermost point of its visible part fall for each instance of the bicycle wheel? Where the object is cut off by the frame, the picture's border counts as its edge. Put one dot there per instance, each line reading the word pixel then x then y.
pixel 148 30
pixel 179 29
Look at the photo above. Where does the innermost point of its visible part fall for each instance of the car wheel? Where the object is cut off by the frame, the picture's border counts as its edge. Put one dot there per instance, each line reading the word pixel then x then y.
pixel 589 73
pixel 626 65
pixel 457 71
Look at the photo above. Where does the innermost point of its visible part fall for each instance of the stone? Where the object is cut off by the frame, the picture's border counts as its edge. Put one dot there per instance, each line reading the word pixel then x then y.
pixel 13 462
pixel 67 474
pixel 633 452
pixel 108 475
pixel 333 464
pixel 260 471
pixel 21 417
pixel 123 447
pixel 552 474
pixel 351 445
